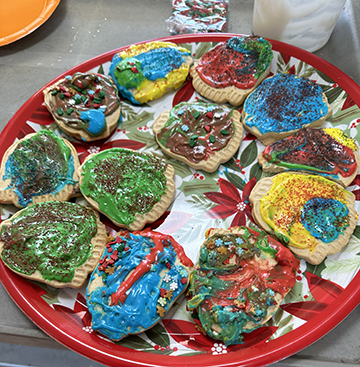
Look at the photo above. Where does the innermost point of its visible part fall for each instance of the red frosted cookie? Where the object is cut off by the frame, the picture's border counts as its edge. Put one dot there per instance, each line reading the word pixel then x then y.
pixel 232 69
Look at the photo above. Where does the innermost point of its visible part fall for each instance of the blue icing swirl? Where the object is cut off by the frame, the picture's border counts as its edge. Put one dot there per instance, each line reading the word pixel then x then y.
pixel 38 166
pixel 95 119
pixel 139 310
pixel 325 218
pixel 283 103
pixel 151 65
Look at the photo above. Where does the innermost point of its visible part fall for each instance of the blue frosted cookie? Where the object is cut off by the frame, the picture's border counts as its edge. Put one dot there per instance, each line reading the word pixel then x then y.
pixel 282 105
pixel 137 280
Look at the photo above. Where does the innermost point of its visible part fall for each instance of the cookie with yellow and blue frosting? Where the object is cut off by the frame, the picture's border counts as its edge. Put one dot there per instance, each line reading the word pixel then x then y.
pixel 145 72
pixel 313 216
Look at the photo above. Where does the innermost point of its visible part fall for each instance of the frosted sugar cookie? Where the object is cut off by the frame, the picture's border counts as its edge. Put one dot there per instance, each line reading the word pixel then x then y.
pixel 139 277
pixel 282 105
pixel 57 243
pixel 145 72
pixel 312 215
pixel 202 135
pixel 328 152
pixel 240 279
pixel 84 105
pixel 233 69
pixel 40 167
pixel 129 187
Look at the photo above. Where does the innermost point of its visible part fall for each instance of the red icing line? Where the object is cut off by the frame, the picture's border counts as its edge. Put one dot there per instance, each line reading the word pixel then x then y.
pixel 145 265
pixel 279 278
pixel 223 67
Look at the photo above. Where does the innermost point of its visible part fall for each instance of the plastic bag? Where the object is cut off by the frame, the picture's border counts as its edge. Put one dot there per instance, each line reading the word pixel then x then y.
pixel 198 16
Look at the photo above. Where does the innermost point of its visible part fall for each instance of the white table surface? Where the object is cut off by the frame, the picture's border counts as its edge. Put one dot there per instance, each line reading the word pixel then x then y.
pixel 82 29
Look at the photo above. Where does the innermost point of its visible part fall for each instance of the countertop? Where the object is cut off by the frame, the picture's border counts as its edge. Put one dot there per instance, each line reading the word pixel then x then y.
pixel 82 29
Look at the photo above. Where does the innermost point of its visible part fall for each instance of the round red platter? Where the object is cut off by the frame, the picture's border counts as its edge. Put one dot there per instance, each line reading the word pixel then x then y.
pixel 323 297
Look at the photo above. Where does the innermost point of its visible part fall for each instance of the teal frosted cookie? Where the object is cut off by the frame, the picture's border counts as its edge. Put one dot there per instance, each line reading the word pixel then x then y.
pixel 39 167
pixel 282 105
pixel 137 280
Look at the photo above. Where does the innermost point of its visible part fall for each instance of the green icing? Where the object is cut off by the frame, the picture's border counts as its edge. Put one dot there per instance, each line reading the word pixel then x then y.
pixel 221 287
pixel 258 44
pixel 123 183
pixel 128 73
pixel 52 237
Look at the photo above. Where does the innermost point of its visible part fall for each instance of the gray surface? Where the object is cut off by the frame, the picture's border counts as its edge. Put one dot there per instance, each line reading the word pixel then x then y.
pixel 82 29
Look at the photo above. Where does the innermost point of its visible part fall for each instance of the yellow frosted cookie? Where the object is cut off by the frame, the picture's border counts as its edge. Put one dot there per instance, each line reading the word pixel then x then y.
pixel 145 72
pixel 312 215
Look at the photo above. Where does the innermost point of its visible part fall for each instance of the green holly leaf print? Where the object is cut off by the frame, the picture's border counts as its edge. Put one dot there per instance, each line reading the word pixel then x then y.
pixel 316 269
pixel 51 295
pixel 285 321
pixel 295 294
pixel 232 164
pixel 188 46
pixel 158 335
pixel 278 316
pixel 325 87
pixel 128 112
pixel 101 70
pixel 333 93
pixel 139 119
pixel 249 154
pixel 198 187
pixel 135 342
pixel 287 329
pixel 325 77
pixel 256 172
pixel 181 169
pixel 236 180
pixel 357 232
pixel 307 72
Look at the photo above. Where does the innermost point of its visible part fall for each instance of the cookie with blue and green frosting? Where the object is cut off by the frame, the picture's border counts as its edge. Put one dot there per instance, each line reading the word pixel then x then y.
pixel 40 167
